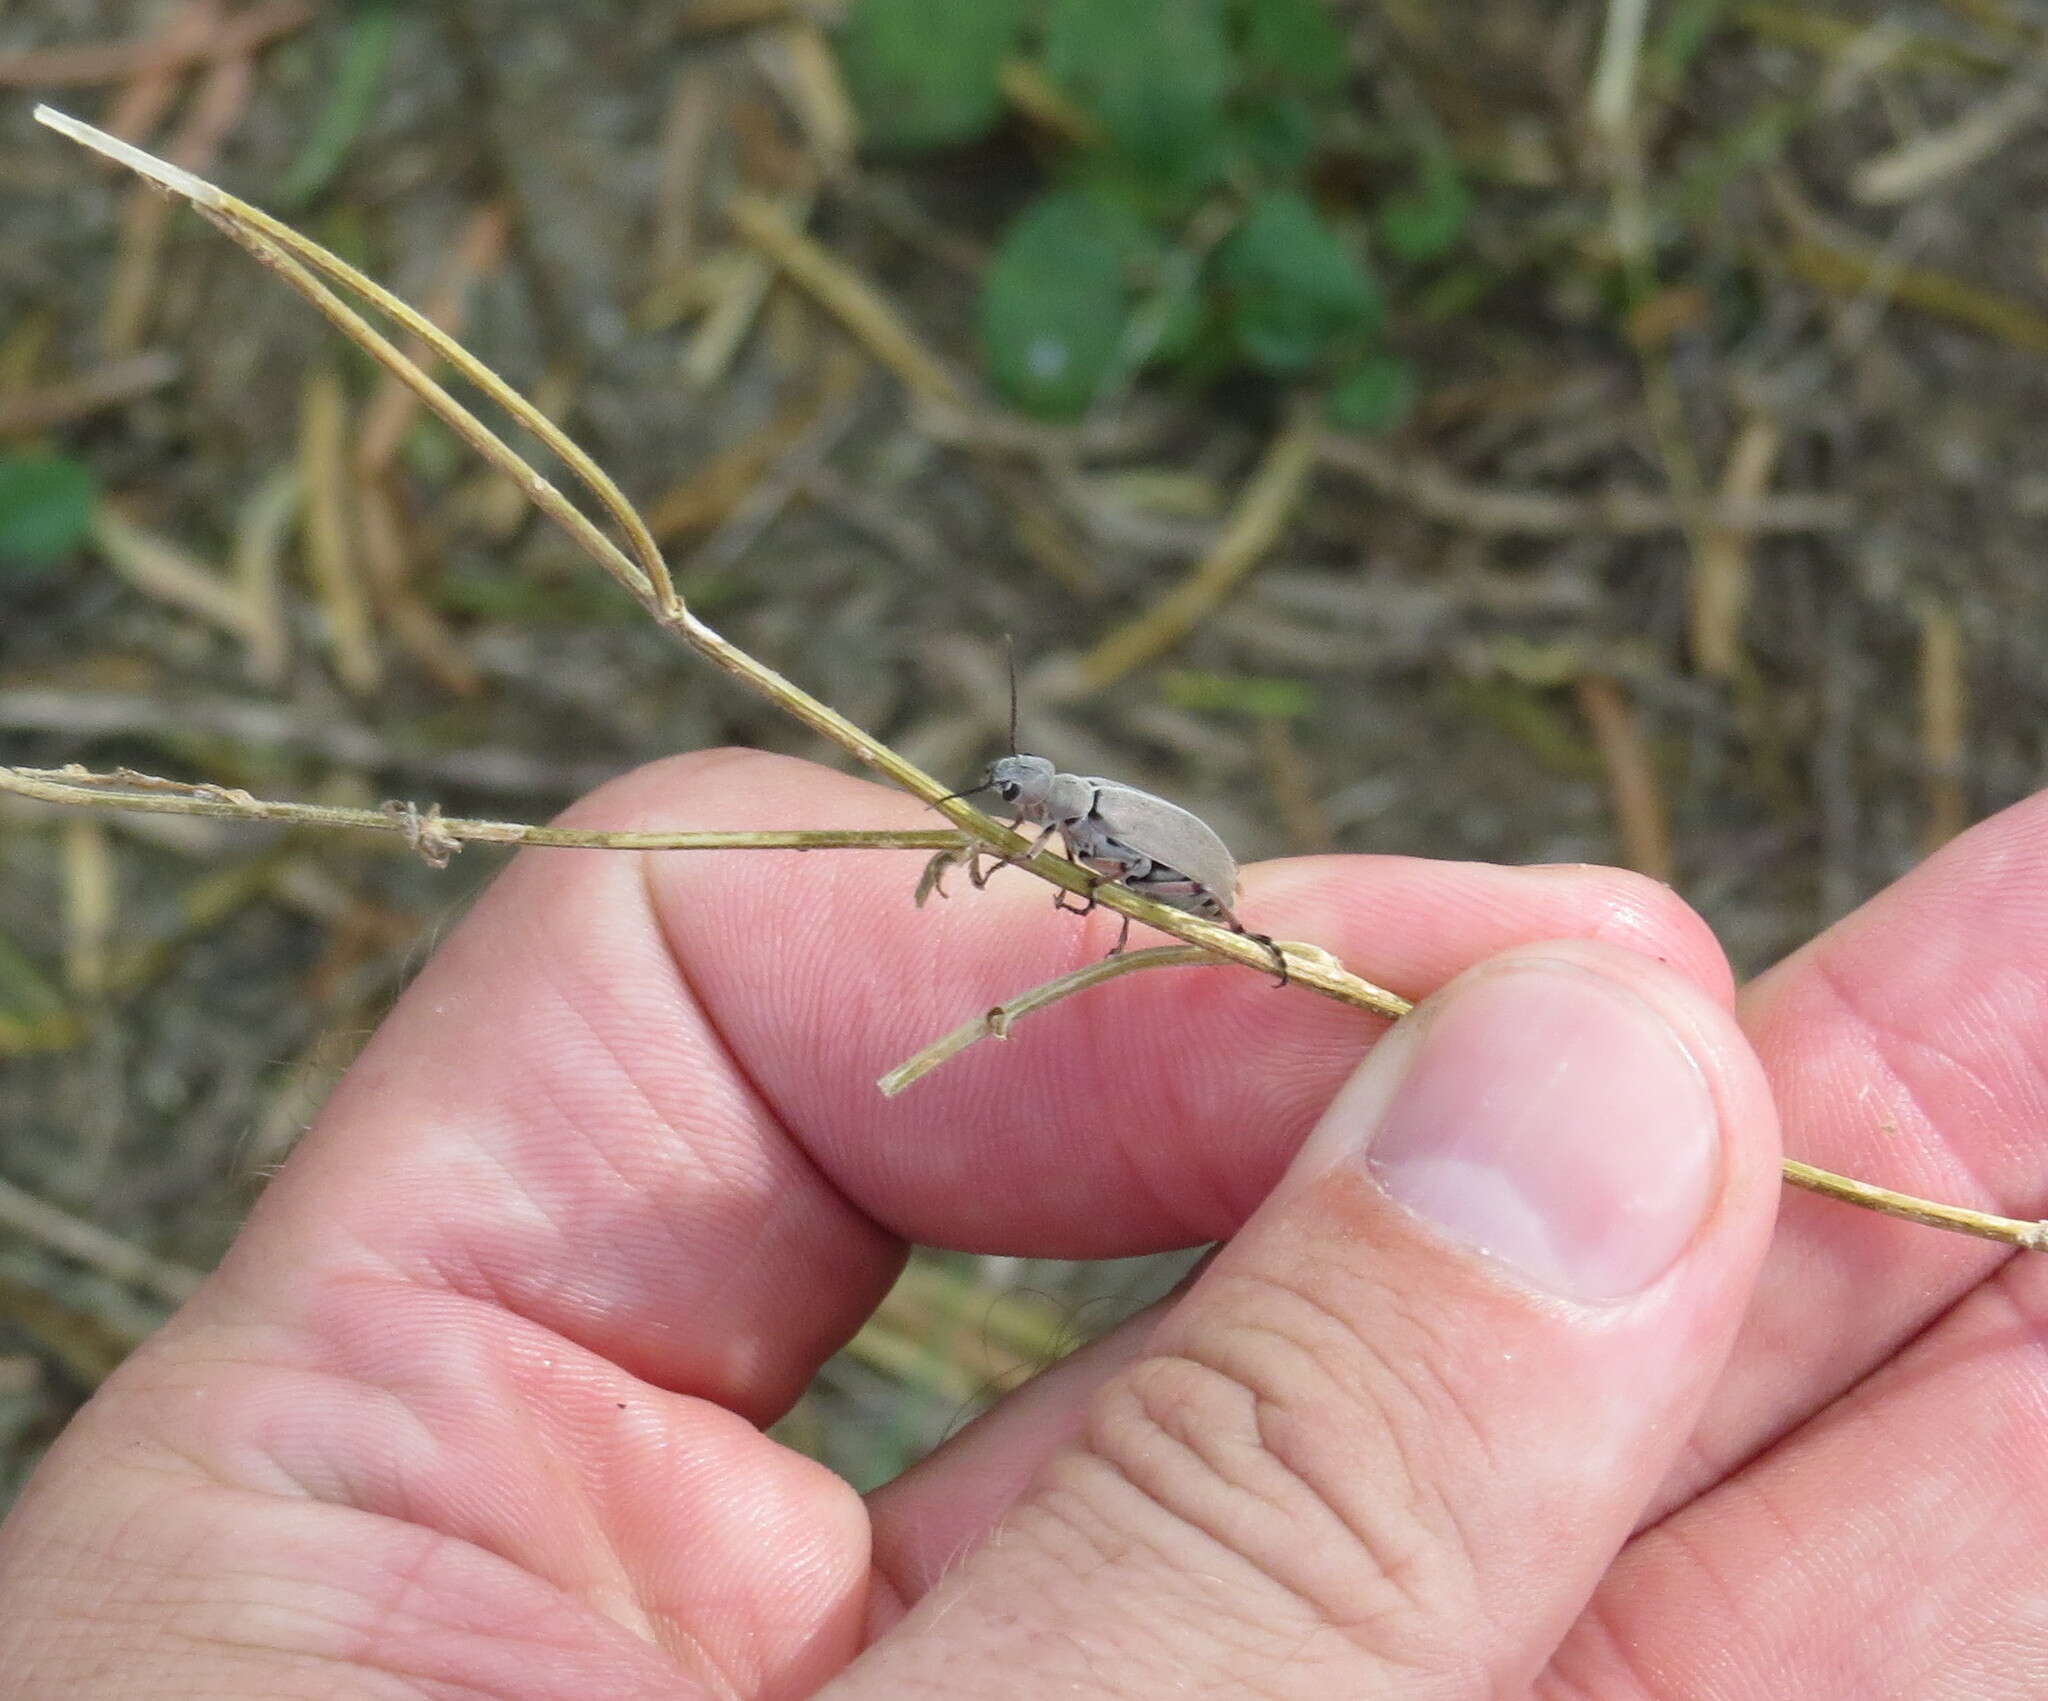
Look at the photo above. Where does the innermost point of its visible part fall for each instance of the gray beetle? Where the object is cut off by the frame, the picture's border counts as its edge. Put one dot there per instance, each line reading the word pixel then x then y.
pixel 1127 836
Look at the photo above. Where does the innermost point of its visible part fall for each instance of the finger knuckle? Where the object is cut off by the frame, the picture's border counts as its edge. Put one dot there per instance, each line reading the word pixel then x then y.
pixel 1277 1442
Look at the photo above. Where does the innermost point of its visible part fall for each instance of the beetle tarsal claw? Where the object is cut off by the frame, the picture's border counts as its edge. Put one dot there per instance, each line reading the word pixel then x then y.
pixel 997 1021
pixel 1279 957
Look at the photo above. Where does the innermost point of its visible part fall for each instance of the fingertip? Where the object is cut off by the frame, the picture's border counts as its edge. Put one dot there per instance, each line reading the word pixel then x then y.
pixel 1649 917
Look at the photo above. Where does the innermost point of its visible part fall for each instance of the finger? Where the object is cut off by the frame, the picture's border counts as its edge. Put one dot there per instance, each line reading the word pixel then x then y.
pixel 929 1518
pixel 1153 1112
pixel 1890 1546
pixel 1388 1442
pixel 637 1108
pixel 1908 1045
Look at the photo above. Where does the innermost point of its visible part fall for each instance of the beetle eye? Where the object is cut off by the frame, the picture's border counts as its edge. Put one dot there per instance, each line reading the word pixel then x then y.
pixel 1009 789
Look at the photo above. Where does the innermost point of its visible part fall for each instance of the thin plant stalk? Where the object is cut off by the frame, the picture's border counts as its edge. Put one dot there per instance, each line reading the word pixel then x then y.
pixel 996 1023
pixel 146 794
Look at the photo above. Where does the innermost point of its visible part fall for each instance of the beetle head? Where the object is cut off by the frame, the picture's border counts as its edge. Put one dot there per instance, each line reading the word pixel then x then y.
pixel 1021 782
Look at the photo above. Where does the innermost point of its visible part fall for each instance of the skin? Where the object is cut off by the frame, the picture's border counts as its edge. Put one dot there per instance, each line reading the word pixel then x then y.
pixel 472 1409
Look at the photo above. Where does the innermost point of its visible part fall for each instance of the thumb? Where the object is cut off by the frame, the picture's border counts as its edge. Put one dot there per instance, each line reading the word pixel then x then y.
pixel 1391 1438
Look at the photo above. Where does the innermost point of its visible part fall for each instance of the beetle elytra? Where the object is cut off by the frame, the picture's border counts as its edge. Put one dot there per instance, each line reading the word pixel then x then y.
pixel 1123 834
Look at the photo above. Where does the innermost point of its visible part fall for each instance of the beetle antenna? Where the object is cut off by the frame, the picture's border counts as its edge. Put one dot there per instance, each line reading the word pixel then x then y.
pixel 954 796
pixel 1010 658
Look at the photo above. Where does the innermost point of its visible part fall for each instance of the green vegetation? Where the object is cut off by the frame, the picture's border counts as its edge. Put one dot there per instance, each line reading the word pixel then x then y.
pixel 1191 225
pixel 46 504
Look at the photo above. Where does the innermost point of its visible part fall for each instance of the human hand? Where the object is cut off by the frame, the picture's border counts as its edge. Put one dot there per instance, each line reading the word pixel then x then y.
pixel 472 1408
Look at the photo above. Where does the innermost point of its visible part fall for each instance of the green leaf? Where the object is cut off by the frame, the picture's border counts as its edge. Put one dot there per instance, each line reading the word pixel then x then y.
pixel 46 505
pixel 1155 73
pixel 1057 301
pixel 924 73
pixel 1375 395
pixel 1276 133
pixel 1295 41
pixel 351 96
pixel 1425 222
pixel 1295 286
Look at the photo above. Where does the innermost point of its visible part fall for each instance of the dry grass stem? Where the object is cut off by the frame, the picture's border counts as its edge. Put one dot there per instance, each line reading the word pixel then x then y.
pixel 146 98
pixel 161 569
pixel 1929 159
pixel 265 519
pixel 1639 812
pixel 799 62
pixel 35 1219
pixel 1720 579
pixel 1278 485
pixel 1028 88
pixel 1844 271
pixel 996 1023
pixel 387 555
pixel 297 258
pixel 135 289
pixel 1292 786
pixel 389 414
pixel 847 296
pixel 1254 526
pixel 1958 1219
pixel 426 828
pixel 684 156
pixel 91 906
pixel 738 283
pixel 331 556
pixel 107 386
pixel 1610 105
pixel 115 62
pixel 1441 496
pixel 1944 723
pixel 721 484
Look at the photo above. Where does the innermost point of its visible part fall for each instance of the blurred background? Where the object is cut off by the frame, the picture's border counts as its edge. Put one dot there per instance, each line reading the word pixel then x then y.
pixel 1508 430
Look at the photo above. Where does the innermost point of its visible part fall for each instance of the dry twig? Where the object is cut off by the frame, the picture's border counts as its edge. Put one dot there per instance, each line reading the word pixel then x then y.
pixel 1631 777
pixel 115 62
pixel 1438 494
pixel 24 1214
pixel 427 829
pixel 1721 572
pixel 331 556
pixel 1254 526
pixel 1944 723
pixel 159 568
pixel 107 386
pixel 847 296
pixel 996 1023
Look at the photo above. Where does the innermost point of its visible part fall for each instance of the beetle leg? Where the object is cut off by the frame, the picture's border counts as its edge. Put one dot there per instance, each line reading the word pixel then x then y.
pixel 1265 939
pixel 1123 935
pixel 1279 956
pixel 1038 844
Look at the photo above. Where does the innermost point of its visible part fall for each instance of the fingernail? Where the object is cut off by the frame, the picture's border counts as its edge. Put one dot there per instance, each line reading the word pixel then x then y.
pixel 1554 1120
